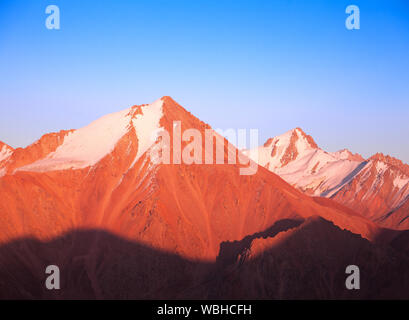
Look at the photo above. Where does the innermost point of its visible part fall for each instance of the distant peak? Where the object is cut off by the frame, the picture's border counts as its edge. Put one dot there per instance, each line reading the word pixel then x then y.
pixel 292 136
pixel 307 137
pixel 348 155
pixel 168 99
pixel 385 158
pixel 394 162
pixel 169 102
pixel 379 157
pixel 299 130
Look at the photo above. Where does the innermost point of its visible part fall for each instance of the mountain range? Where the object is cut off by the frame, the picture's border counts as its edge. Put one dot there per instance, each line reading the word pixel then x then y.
pixel 120 225
pixel 377 188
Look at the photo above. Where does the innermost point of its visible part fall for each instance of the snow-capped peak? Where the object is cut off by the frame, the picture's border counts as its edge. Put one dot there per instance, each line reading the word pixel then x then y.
pixel 293 136
pixel 280 151
pixel 86 146
pixel 296 157
pixel 345 154
pixel 146 123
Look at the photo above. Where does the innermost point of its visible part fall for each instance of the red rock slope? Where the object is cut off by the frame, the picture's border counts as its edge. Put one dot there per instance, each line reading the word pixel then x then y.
pixel 121 225
pixel 101 177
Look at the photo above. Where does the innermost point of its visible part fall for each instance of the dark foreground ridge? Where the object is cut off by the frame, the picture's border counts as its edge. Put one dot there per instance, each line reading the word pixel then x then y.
pixel 301 260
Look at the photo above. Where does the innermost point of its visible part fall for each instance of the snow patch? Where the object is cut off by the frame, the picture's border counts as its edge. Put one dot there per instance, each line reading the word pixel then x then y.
pixel 5 153
pixel 147 127
pixel 87 146
pixel 263 155
pixel 381 167
pixel 342 154
pixel 400 181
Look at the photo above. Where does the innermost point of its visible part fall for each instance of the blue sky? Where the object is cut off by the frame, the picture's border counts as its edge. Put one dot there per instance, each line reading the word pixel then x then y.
pixel 271 65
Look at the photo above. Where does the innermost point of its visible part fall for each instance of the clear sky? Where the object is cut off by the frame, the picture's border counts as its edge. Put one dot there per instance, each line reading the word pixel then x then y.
pixel 271 65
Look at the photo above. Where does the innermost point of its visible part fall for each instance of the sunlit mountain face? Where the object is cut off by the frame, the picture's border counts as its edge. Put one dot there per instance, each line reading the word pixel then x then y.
pixel 119 223
pixel 377 187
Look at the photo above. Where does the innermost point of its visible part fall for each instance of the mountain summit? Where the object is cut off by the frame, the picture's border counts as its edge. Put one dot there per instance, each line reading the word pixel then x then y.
pixel 121 225
pixel 376 187
pixel 102 176
pixel 297 159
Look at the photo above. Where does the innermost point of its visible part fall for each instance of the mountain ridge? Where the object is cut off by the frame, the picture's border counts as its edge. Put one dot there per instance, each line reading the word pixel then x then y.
pixel 376 186
pixel 122 225
pixel 187 203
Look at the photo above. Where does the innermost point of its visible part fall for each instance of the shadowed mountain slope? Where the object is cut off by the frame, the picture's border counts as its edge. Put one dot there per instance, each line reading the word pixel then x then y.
pixel 292 260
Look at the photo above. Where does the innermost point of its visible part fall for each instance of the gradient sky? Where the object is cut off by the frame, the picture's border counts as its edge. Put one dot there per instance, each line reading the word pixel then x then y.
pixel 271 65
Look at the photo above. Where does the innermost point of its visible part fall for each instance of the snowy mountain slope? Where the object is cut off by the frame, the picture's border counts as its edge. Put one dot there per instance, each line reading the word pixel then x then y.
pixel 86 146
pixel 375 187
pixel 298 160
pixel 102 176
pixel 152 215
pixel 380 188
pixel 5 151
pixel 5 154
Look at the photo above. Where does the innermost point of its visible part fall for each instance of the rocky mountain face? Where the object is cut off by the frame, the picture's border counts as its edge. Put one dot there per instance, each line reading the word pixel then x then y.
pixel 376 187
pixel 120 224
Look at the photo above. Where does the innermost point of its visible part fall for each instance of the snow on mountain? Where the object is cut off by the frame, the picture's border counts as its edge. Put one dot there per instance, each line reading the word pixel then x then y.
pixel 374 187
pixel 378 189
pixel 146 125
pixel 348 155
pixel 298 160
pixel 5 151
pixel 86 146
pixel 184 209
pixel 156 224
pixel 400 181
